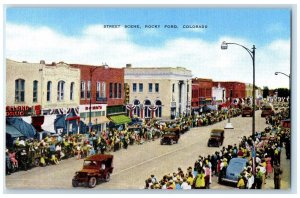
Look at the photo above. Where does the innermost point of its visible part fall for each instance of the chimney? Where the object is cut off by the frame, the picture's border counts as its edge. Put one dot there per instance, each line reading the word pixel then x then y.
pixel 42 62
pixel 128 65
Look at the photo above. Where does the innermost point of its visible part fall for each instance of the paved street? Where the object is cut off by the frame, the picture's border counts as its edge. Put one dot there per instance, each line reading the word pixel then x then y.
pixel 138 162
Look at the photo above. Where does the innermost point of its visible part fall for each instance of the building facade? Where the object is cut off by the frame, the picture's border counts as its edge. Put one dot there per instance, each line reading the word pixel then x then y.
pixel 102 91
pixel 202 89
pixel 49 90
pixel 163 92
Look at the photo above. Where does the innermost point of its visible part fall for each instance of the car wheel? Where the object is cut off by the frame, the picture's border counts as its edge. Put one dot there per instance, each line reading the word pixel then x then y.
pixel 107 177
pixel 92 182
pixel 74 183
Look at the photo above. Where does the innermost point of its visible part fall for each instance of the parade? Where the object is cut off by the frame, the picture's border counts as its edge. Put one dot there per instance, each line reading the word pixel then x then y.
pixel 148 99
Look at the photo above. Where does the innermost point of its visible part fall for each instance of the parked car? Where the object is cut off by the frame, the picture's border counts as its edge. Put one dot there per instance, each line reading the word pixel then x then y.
pixel 96 168
pixel 266 111
pixel 216 138
pixel 233 170
pixel 170 136
pixel 247 111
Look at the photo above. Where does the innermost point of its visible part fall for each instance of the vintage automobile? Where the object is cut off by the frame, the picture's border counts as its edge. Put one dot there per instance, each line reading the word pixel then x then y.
pixel 266 111
pixel 216 138
pixel 170 136
pixel 247 111
pixel 96 168
pixel 233 170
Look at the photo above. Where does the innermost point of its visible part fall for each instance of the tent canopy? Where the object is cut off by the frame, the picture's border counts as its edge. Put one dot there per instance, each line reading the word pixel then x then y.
pixel 20 125
pixel 13 132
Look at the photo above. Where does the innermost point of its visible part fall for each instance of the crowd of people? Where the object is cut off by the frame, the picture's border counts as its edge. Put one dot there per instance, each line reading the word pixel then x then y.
pixel 29 153
pixel 266 162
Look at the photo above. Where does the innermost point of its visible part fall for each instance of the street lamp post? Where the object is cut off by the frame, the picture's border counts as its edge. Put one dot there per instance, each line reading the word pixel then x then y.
pixel 90 109
pixel 289 76
pixel 224 46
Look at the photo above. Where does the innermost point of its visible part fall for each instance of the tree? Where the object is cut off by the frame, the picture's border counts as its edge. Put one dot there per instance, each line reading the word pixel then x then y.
pixel 265 92
pixel 283 92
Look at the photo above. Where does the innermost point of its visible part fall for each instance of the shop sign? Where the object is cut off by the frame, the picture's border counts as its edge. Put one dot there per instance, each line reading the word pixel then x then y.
pixel 15 111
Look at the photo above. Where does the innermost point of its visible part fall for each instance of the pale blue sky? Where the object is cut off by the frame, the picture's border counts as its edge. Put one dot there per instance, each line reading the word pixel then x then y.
pixel 64 29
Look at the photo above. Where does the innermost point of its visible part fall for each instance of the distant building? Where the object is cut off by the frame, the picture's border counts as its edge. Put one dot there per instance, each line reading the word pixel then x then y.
pixel 163 92
pixel 248 91
pixel 219 94
pixel 202 93
pixel 233 89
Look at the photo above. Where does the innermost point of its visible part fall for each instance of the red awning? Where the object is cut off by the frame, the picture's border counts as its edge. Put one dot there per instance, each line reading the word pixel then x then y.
pixel 73 118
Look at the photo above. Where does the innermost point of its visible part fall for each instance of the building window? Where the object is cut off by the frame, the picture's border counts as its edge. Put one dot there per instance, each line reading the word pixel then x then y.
pixel 140 87
pixel 158 111
pixel 147 112
pixel 98 92
pixel 116 90
pixel 110 90
pixel 137 110
pixel 120 91
pixel 103 90
pixel 82 90
pixel 60 90
pixel 35 91
pixel 88 92
pixel 19 90
pixel 72 91
pixel 49 86
pixel 150 87
pixel 156 87
pixel 133 87
pixel 173 88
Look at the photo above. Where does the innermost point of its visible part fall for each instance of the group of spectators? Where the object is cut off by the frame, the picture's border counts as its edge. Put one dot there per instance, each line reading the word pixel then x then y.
pixel 266 162
pixel 29 153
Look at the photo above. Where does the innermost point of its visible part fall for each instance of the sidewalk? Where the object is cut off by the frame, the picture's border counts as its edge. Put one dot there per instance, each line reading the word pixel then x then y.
pixel 285 165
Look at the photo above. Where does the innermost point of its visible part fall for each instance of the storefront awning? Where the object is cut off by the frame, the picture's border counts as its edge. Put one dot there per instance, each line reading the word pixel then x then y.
pixel 120 119
pixel 13 132
pixel 96 120
pixel 73 118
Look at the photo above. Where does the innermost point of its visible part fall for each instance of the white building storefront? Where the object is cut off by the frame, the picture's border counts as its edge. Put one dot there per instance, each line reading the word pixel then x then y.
pixel 162 92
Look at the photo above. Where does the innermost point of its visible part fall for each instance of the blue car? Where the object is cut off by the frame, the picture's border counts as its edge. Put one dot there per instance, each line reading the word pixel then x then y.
pixel 234 169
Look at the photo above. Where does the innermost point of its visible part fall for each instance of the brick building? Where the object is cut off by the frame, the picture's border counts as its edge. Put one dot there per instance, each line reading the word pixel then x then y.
pixel 234 89
pixel 201 92
pixel 103 87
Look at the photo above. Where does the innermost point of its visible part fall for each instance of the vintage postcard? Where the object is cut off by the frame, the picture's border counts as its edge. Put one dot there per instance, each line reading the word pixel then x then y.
pixel 148 98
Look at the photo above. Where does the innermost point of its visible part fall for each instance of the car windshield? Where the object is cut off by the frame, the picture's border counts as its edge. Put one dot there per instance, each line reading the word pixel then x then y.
pixel 89 163
pixel 267 108
pixel 216 134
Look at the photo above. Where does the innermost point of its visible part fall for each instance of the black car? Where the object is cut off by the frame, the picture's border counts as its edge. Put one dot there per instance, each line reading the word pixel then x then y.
pixel 170 138
pixel 216 138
